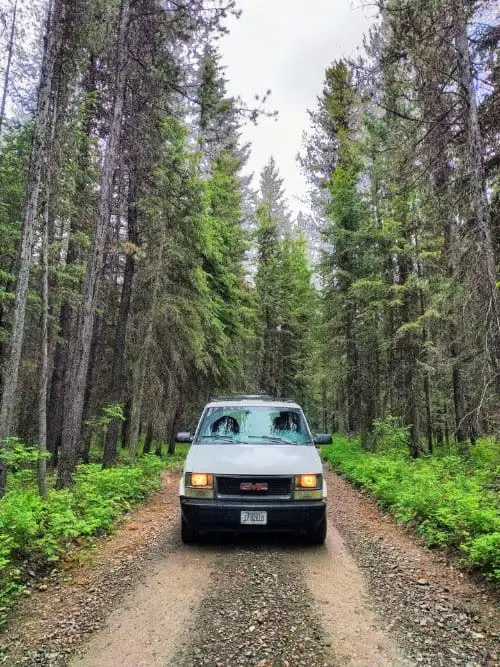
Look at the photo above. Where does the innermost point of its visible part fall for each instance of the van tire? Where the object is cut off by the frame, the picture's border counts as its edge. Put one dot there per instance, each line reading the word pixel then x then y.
pixel 317 535
pixel 188 534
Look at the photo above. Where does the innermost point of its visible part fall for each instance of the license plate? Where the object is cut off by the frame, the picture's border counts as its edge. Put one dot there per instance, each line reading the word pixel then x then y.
pixel 254 518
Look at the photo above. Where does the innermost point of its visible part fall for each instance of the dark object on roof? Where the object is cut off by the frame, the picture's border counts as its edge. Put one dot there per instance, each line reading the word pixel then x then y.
pixel 252 397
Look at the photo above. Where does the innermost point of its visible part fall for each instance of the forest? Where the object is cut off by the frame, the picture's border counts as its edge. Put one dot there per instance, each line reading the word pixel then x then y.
pixel 142 272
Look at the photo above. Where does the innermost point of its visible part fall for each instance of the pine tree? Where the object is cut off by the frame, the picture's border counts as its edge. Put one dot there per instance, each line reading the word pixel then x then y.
pixel 39 147
pixel 283 292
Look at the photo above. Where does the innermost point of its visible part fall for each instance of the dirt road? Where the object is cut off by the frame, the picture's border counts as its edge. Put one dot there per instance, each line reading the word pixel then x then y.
pixel 370 597
pixel 253 602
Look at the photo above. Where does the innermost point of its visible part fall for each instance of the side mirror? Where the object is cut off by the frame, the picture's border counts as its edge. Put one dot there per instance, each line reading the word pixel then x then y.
pixel 184 436
pixel 322 439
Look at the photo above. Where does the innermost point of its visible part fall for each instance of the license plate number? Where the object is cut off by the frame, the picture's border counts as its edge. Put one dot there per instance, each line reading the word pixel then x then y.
pixel 254 518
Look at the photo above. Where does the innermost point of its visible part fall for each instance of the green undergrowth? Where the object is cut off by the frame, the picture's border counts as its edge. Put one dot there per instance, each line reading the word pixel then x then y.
pixel 35 533
pixel 451 501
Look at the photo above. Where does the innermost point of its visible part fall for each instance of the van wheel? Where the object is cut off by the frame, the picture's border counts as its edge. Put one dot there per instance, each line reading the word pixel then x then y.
pixel 317 535
pixel 188 534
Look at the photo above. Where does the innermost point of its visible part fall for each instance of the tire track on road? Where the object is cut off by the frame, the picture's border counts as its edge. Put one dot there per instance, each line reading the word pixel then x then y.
pixel 150 623
pixel 257 613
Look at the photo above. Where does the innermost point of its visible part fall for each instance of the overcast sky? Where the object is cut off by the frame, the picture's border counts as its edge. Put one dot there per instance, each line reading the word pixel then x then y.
pixel 286 45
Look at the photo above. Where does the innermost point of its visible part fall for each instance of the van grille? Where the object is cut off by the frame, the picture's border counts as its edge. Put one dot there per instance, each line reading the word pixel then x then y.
pixel 232 486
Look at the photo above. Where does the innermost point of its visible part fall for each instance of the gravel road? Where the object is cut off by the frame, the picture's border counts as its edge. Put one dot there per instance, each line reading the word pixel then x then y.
pixel 283 604
pixel 371 597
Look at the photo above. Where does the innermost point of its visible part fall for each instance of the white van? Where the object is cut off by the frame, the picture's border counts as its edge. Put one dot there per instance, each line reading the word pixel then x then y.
pixel 253 466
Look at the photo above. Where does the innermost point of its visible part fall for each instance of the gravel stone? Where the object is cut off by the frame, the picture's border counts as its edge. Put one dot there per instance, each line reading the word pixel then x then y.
pixel 260 609
pixel 440 619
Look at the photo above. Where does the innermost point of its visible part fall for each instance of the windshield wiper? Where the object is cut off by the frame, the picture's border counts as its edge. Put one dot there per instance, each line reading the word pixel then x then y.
pixel 225 438
pixel 272 438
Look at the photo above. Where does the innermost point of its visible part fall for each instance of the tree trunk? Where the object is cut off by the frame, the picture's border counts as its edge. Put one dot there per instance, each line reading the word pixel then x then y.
pixel 428 413
pixel 324 411
pixel 95 348
pixel 65 314
pixel 118 365
pixel 352 379
pixel 136 402
pixel 142 363
pixel 427 383
pixel 80 358
pixel 482 255
pixel 38 155
pixel 458 397
pixel 368 412
pixel 444 195
pixel 413 414
pixel 446 428
pixel 47 226
pixel 44 370
pixel 6 76
pixel 439 435
pixel 148 439
pixel 125 429
pixel 56 399
pixel 172 428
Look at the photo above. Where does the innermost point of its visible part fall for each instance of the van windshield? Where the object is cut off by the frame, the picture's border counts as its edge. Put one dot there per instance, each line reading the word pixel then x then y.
pixel 253 424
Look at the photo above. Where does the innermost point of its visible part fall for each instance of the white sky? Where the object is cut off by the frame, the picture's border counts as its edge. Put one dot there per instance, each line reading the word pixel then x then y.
pixel 286 45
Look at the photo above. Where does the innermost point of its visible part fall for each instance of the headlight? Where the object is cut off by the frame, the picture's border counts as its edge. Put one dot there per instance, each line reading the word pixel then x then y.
pixel 199 480
pixel 199 485
pixel 308 482
pixel 308 487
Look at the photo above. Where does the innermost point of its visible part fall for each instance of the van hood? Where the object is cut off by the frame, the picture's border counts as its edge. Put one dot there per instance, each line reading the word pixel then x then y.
pixel 267 459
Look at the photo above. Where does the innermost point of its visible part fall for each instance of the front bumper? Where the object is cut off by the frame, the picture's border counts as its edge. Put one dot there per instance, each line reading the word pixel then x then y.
pixel 289 516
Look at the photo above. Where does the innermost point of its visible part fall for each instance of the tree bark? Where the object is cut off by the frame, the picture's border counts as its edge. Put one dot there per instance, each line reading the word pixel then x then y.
pixel 118 365
pixel 324 411
pixel 125 429
pixel 485 281
pixel 413 416
pixel 44 370
pixel 158 448
pixel 95 348
pixel 6 77
pixel 143 361
pixel 408 349
pixel 38 154
pixel 428 413
pixel 57 385
pixel 353 403
pixel 427 382
pixel 80 357
pixel 172 426
pixel 458 396
pixel 65 314
pixel 148 439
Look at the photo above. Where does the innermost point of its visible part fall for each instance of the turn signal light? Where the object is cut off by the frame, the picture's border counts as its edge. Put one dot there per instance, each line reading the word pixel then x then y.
pixel 307 482
pixel 200 480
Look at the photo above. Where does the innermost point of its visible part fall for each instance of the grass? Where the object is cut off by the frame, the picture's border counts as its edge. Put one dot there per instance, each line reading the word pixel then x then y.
pixel 450 501
pixel 36 532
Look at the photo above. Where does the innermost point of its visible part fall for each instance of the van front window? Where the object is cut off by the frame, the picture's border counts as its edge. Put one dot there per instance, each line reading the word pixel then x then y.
pixel 255 424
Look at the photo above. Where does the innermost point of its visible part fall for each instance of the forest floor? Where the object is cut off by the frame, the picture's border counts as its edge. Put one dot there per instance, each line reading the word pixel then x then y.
pixel 371 597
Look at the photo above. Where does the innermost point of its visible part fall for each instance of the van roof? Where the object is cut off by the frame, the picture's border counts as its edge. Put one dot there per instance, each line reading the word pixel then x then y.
pixel 252 401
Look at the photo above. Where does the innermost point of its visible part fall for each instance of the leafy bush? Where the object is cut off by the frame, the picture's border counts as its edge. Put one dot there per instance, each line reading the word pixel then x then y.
pixel 484 551
pixel 21 461
pixel 39 531
pixel 449 500
pixel 390 434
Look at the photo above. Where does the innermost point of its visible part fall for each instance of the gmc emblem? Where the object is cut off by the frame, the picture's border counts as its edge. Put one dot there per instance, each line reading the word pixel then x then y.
pixel 254 486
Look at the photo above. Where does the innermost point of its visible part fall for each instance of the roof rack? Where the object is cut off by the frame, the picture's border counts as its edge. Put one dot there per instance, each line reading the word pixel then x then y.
pixel 240 397
pixel 252 397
